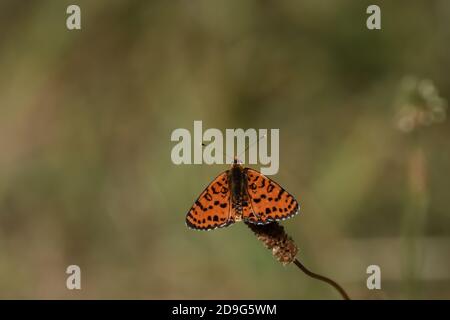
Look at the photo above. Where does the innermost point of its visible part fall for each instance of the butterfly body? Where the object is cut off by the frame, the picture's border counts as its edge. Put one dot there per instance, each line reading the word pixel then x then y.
pixel 240 194
pixel 237 180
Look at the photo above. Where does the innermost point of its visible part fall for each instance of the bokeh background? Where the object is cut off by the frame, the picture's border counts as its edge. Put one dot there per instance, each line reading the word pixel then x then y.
pixel 86 116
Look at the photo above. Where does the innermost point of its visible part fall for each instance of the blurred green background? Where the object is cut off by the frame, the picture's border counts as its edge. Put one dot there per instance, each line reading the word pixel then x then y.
pixel 86 116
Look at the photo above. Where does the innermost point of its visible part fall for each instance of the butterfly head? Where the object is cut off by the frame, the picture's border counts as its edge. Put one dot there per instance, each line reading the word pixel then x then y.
pixel 236 162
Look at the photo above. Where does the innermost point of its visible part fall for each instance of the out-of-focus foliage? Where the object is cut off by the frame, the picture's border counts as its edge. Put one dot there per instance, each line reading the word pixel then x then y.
pixel 85 123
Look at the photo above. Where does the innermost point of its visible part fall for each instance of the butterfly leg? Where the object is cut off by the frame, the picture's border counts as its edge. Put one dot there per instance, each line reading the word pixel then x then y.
pixel 248 213
pixel 229 219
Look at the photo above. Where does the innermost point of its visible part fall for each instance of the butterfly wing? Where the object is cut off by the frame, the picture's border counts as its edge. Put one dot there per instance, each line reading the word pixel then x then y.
pixel 212 209
pixel 268 200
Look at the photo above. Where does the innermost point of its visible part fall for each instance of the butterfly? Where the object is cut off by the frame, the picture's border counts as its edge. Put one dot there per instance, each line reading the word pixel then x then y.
pixel 240 194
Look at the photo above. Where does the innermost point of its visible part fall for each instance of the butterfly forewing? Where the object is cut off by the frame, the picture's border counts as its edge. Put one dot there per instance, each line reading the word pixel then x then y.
pixel 269 201
pixel 212 209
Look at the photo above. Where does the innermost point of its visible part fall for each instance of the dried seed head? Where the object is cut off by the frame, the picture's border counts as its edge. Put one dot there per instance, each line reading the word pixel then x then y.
pixel 418 104
pixel 275 238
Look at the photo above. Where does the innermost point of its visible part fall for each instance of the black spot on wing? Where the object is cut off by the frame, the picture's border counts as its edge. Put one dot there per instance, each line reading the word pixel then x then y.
pixel 214 190
pixel 295 210
pixel 279 194
pixel 198 203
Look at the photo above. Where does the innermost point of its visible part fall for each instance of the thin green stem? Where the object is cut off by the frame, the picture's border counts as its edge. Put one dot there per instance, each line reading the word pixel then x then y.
pixel 322 278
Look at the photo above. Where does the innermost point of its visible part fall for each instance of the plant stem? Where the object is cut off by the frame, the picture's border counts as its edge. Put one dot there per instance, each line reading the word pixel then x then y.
pixel 322 278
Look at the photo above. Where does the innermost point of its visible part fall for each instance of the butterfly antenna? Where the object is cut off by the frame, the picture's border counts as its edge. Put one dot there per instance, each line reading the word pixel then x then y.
pixel 226 156
pixel 251 145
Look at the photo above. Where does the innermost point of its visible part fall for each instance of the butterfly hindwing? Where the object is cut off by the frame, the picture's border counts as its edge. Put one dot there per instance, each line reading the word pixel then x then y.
pixel 212 209
pixel 268 200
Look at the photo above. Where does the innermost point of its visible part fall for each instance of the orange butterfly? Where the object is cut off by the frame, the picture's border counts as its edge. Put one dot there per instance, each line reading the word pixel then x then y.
pixel 240 194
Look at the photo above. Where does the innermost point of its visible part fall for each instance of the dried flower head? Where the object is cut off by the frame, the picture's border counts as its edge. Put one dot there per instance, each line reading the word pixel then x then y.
pixel 275 238
pixel 418 104
pixel 284 250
